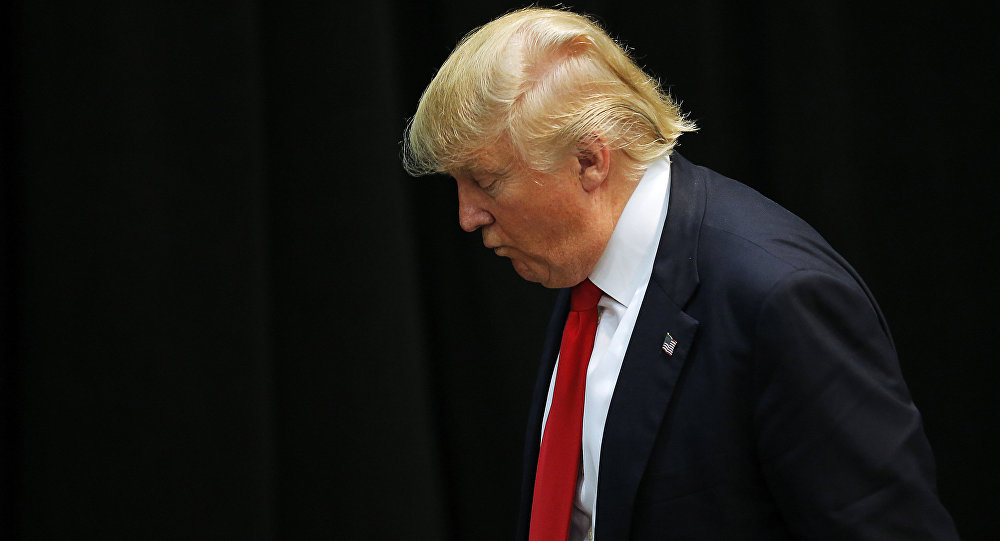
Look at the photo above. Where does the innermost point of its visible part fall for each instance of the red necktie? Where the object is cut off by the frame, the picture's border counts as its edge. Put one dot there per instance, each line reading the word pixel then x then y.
pixel 559 457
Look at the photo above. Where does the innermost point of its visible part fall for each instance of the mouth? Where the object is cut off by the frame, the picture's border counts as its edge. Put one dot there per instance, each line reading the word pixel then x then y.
pixel 497 249
pixel 494 244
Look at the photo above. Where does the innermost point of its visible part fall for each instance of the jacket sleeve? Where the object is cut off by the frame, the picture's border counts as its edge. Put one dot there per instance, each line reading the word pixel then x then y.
pixel 840 442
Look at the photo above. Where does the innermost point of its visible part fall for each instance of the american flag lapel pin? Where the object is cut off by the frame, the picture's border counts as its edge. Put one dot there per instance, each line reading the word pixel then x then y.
pixel 668 345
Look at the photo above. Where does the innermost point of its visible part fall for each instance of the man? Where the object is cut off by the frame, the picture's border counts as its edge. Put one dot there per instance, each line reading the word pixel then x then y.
pixel 713 369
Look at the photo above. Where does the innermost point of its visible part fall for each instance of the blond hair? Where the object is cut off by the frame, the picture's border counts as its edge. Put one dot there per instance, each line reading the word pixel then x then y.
pixel 540 82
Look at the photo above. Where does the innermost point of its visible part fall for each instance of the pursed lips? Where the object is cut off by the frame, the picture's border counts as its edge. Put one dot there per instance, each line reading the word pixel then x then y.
pixel 497 248
pixel 492 245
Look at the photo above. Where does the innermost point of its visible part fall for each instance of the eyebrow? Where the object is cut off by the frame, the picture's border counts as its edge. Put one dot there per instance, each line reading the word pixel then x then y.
pixel 474 171
pixel 499 173
pixel 477 167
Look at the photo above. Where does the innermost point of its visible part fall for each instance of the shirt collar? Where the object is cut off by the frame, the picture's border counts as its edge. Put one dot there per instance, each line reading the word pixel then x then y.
pixel 619 271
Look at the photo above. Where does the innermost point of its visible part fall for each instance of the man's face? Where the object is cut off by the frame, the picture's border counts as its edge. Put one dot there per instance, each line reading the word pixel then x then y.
pixel 548 225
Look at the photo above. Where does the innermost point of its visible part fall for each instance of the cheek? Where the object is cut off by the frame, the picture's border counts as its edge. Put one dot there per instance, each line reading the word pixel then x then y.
pixel 544 221
pixel 544 236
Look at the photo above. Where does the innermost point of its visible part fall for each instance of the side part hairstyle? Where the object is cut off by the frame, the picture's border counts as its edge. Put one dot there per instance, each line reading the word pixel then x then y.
pixel 542 83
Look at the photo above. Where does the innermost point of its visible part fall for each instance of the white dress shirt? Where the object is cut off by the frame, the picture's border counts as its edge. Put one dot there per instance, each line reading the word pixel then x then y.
pixel 622 273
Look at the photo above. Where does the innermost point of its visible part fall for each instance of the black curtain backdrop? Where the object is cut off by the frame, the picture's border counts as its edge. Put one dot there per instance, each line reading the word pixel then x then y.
pixel 228 314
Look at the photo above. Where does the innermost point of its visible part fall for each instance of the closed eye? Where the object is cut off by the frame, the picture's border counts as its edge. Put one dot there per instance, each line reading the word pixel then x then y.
pixel 490 187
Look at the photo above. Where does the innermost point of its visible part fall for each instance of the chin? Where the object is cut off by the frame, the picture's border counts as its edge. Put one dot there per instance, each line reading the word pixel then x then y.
pixel 543 275
pixel 525 271
pixel 559 284
pixel 564 280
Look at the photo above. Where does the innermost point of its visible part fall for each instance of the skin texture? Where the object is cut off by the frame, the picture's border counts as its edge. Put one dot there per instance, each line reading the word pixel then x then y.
pixel 552 227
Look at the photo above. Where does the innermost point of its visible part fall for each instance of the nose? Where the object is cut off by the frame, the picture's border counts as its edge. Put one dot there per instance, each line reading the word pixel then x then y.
pixel 471 214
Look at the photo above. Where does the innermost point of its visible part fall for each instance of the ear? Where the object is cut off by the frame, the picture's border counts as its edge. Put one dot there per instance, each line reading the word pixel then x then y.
pixel 595 164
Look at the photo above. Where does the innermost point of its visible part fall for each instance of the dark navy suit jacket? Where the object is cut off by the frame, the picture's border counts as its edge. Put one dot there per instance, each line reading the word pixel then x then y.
pixel 782 413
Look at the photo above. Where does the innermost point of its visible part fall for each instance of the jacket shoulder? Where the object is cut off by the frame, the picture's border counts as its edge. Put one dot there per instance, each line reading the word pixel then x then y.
pixel 744 233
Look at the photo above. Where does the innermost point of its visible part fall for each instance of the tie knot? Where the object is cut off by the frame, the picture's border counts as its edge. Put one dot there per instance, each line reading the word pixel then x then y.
pixel 585 296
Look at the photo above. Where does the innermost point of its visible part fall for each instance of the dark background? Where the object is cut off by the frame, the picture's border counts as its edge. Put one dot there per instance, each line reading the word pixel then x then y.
pixel 228 314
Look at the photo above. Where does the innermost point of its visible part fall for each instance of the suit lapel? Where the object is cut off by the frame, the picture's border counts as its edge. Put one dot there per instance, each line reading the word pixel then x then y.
pixel 648 375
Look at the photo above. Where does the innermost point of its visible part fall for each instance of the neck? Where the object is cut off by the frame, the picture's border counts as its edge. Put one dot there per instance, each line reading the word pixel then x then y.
pixel 623 179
